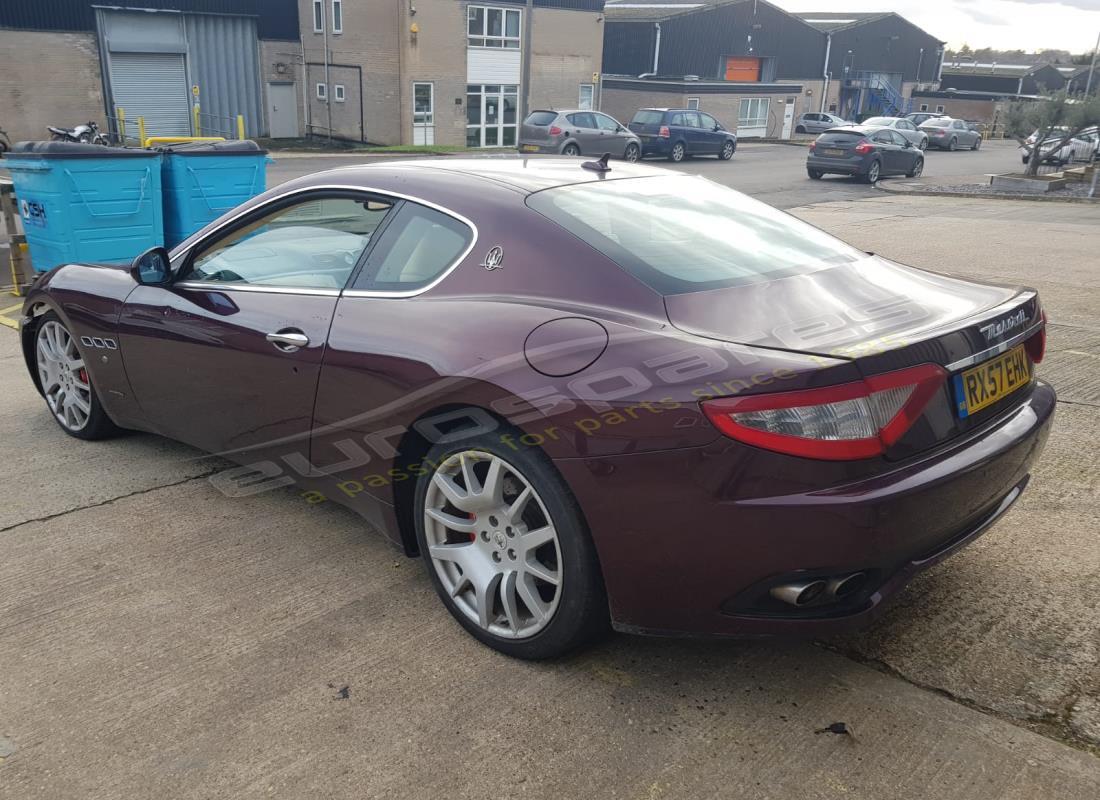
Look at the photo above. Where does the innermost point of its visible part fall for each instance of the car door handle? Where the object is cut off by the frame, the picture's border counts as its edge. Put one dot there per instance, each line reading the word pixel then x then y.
pixel 289 340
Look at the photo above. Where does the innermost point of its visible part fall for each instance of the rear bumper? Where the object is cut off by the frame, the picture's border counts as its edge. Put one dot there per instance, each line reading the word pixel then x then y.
pixel 855 165
pixel 656 146
pixel 683 554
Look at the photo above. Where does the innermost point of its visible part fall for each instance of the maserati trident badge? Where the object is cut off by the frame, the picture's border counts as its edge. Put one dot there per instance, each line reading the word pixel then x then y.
pixel 493 258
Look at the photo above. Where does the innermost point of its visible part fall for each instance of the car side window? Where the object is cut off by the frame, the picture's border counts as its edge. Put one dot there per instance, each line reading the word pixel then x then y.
pixel 605 123
pixel 679 119
pixel 582 120
pixel 311 244
pixel 905 124
pixel 898 139
pixel 882 137
pixel 708 121
pixel 418 246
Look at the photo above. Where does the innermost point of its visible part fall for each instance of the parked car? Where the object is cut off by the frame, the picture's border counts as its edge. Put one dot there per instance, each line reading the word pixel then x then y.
pixel 1081 147
pixel 523 373
pixel 817 122
pixel 918 118
pixel 902 126
pixel 677 133
pixel 863 151
pixel 947 133
pixel 575 133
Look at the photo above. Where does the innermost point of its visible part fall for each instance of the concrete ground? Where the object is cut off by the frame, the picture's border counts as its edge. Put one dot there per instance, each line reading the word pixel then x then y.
pixel 159 639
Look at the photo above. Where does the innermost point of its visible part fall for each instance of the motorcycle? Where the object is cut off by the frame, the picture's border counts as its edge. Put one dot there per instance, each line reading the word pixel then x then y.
pixel 88 134
pixel 5 142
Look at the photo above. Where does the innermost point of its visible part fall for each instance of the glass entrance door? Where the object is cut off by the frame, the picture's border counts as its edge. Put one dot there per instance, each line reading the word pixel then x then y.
pixel 491 115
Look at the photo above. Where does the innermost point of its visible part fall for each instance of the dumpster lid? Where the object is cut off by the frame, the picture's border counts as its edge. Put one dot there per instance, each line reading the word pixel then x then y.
pixel 74 150
pixel 230 147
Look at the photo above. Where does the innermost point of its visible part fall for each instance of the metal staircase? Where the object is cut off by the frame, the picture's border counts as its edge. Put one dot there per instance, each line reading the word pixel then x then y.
pixel 884 99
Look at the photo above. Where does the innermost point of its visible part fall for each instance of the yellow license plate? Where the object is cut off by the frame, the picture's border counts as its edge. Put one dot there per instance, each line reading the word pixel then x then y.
pixel 831 151
pixel 530 148
pixel 987 383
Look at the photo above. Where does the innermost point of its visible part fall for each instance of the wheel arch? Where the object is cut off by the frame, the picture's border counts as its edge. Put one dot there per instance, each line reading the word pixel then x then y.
pixel 34 312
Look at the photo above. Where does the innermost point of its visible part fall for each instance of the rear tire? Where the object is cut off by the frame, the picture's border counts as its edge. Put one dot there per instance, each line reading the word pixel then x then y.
pixel 815 174
pixel 953 144
pixel 494 594
pixel 800 129
pixel 677 153
pixel 874 172
pixel 570 150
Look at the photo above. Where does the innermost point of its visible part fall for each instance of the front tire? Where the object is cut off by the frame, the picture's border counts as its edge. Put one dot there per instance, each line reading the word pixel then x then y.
pixel 727 151
pixel 918 168
pixel 507 548
pixel 977 144
pixel 677 153
pixel 633 152
pixel 65 384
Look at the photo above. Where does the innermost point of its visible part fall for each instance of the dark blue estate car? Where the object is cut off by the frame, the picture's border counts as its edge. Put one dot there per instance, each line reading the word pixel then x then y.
pixel 679 132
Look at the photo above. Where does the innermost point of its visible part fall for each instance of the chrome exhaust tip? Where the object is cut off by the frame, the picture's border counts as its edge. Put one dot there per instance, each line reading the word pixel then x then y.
pixel 799 594
pixel 847 585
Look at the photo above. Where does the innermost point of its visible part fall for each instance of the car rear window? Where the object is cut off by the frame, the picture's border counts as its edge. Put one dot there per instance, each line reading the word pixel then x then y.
pixel 937 122
pixel 648 117
pixel 683 234
pixel 839 137
pixel 879 121
pixel 540 118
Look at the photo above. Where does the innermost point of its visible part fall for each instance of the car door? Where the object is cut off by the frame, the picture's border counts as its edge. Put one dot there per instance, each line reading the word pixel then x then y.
pixel 908 130
pixel 585 131
pixel 907 153
pixel 226 357
pixel 961 133
pixel 714 136
pixel 889 150
pixel 613 136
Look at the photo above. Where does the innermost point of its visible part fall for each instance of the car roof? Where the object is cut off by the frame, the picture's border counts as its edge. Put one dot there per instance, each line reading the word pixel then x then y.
pixel 525 174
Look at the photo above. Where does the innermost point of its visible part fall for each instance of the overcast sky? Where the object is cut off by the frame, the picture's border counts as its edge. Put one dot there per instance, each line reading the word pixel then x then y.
pixel 1003 24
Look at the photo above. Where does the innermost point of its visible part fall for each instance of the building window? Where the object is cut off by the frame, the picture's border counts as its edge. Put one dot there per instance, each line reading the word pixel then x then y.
pixel 753 112
pixel 939 109
pixel 923 107
pixel 491 115
pixel 322 92
pixel 338 93
pixel 337 17
pixel 693 102
pixel 318 16
pixel 492 27
pixel 584 100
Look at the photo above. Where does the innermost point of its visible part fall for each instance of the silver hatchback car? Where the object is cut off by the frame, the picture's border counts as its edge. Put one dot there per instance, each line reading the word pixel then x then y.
pixel 579 132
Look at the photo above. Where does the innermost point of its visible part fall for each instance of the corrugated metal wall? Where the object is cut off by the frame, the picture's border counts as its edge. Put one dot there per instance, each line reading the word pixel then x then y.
pixel 224 62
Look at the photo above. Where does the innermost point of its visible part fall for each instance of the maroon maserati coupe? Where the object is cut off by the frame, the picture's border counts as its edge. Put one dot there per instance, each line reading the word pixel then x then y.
pixel 583 395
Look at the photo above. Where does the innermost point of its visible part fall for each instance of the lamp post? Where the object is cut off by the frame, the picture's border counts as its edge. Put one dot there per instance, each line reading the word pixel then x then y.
pixel 1092 66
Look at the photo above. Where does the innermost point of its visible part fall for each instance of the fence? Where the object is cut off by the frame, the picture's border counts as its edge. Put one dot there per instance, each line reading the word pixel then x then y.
pixel 131 131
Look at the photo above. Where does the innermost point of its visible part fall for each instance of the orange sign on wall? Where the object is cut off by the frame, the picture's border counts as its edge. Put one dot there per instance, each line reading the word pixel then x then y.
pixel 742 69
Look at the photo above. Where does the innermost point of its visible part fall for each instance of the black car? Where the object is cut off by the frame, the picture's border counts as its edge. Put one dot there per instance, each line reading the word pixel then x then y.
pixel 864 151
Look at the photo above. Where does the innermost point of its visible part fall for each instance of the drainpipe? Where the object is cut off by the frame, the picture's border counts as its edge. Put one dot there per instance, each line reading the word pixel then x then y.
pixel 920 63
pixel 525 74
pixel 825 71
pixel 657 48
pixel 328 88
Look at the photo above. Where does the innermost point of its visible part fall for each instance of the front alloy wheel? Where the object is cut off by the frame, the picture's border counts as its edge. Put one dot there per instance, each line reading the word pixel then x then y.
pixel 65 382
pixel 633 152
pixel 507 549
pixel 918 168
pixel 727 151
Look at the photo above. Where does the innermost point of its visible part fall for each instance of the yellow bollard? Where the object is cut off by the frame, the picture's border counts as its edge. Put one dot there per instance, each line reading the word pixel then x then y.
pixel 141 131
pixel 240 126
pixel 121 113
pixel 196 120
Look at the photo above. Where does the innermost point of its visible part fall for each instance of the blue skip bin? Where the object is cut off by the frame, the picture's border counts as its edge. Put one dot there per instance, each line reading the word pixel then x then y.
pixel 203 180
pixel 85 202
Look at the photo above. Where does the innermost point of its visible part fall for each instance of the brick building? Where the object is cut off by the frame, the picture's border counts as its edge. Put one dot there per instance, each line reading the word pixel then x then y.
pixel 445 72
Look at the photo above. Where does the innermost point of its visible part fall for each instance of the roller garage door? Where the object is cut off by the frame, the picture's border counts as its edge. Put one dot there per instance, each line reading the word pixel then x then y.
pixel 153 86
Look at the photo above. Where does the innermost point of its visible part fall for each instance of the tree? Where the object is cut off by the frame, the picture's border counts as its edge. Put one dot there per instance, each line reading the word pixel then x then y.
pixel 1048 124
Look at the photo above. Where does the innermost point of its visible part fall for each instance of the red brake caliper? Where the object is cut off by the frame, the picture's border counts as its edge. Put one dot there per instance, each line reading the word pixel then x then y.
pixel 83 375
pixel 473 518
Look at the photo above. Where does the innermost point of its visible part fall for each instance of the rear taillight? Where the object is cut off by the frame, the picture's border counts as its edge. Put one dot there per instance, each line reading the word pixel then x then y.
pixel 837 423
pixel 1036 345
pixel 664 132
pixel 864 147
pixel 555 130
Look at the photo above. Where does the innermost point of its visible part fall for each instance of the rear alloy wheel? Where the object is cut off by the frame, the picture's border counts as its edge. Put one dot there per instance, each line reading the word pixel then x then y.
pixel 507 549
pixel 633 152
pixel 727 151
pixel 65 383
pixel 977 144
pixel 815 174
pixel 800 129
pixel 954 143
pixel 873 172
pixel 918 168
pixel 677 152
pixel 570 150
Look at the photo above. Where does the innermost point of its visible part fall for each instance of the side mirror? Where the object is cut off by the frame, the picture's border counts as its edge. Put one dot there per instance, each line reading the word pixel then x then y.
pixel 908 144
pixel 717 127
pixel 152 268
